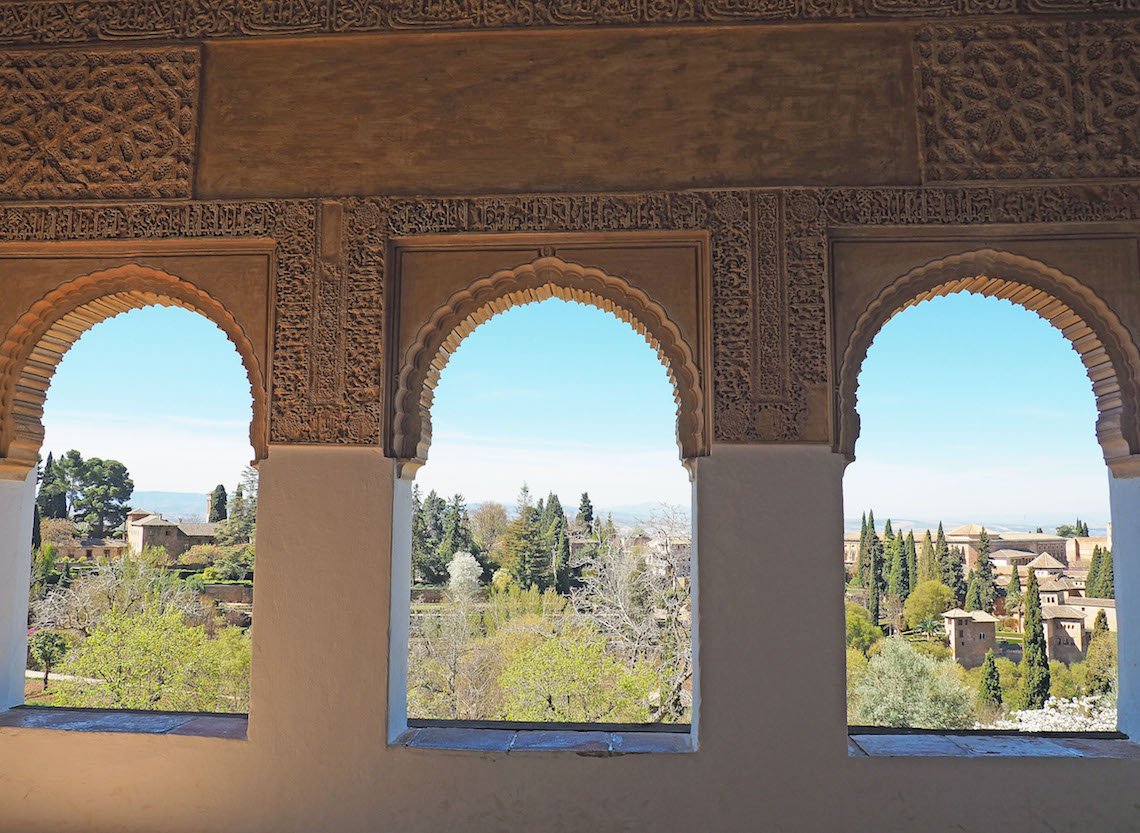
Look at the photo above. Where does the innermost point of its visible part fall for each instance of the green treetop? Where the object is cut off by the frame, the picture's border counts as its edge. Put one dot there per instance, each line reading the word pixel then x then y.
pixel 1013 592
pixel 984 575
pixel 1092 581
pixel 989 688
pixel 218 504
pixel 973 597
pixel 52 495
pixel 1035 661
pixel 888 533
pixel 911 563
pixel 1100 626
pixel 898 581
pixel 927 563
pixel 876 575
pixel 1107 584
pixel 585 514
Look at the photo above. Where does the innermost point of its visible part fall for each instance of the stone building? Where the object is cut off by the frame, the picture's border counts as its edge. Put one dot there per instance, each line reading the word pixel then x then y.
pixel 349 187
pixel 80 549
pixel 145 529
pixel 971 635
pixel 1064 633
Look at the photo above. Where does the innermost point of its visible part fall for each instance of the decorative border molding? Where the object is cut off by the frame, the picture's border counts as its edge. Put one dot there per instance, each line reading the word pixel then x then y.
pixel 105 123
pixel 36 343
pixel 546 277
pixel 82 21
pixel 768 248
pixel 1104 344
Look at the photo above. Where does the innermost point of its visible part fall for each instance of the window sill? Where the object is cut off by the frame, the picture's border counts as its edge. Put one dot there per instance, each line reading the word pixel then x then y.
pixel 228 726
pixel 986 745
pixel 598 744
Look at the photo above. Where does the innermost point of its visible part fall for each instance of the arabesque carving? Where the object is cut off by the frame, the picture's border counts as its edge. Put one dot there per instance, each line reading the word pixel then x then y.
pixel 36 343
pixel 110 124
pixel 1029 100
pixel 75 21
pixel 1096 333
pixel 546 277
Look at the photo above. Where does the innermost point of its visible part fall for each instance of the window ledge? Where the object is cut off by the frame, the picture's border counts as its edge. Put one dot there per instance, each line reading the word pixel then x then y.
pixel 599 744
pixel 228 726
pixel 933 745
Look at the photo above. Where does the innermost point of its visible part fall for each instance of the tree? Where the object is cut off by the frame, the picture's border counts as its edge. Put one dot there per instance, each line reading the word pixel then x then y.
pixel 898 582
pixel 37 536
pixel 911 563
pixel 1107 584
pixel 52 495
pixel 904 688
pixel 929 599
pixel 218 504
pixel 464 572
pixel 43 565
pixel 585 514
pixel 1035 662
pixel 973 597
pixel 928 569
pixel 241 521
pixel 989 688
pixel 1100 677
pixel 876 571
pixel 48 648
pixel 456 535
pixel 569 677
pixel 523 553
pixel 488 523
pixel 1092 582
pixel 1100 626
pixel 1068 530
pixel 951 566
pixel 984 575
pixel 861 634
pixel 861 560
pixel 1013 598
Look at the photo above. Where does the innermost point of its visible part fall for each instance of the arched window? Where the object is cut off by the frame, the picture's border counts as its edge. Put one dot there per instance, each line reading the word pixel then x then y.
pixel 553 462
pixel 974 412
pixel 141 395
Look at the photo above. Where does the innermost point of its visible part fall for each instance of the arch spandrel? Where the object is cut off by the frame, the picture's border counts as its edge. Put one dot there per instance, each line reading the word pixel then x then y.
pixel 1104 344
pixel 408 436
pixel 36 343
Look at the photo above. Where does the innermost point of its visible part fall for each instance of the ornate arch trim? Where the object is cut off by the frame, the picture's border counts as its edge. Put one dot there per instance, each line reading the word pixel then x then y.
pixel 410 417
pixel 33 347
pixel 1104 344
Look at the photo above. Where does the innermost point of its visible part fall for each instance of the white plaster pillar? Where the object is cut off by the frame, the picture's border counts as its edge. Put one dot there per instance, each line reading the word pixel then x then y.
pixel 400 611
pixel 17 508
pixel 1124 500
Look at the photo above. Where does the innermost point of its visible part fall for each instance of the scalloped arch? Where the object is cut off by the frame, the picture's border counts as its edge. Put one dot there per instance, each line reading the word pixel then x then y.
pixel 435 341
pixel 1106 348
pixel 35 344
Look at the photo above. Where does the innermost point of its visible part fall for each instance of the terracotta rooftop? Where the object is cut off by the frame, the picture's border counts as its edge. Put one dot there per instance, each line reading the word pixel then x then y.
pixel 973 530
pixel 1060 612
pixel 976 615
pixel 1046 562
pixel 1008 553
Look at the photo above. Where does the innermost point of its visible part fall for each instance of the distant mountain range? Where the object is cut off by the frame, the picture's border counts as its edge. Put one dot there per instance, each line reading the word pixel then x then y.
pixel 171 505
pixel 1047 524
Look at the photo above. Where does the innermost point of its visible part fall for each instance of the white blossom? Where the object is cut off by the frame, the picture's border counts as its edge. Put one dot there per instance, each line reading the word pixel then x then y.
pixel 464 571
pixel 1091 713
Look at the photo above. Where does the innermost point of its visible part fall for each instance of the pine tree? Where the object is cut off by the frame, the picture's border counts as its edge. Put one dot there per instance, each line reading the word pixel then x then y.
pixel 1035 661
pixel 218 504
pixel 1092 582
pixel 989 688
pixel 523 553
pixel 1100 625
pixel 456 535
pixel 984 575
pixel 585 514
pixel 911 563
pixel 1107 586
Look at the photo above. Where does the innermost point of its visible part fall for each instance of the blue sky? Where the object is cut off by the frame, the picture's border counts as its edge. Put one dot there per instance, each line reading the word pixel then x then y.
pixel 972 409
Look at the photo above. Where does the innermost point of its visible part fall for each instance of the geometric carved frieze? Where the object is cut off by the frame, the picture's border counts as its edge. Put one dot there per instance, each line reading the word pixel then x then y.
pixel 1030 100
pixel 76 21
pixel 106 124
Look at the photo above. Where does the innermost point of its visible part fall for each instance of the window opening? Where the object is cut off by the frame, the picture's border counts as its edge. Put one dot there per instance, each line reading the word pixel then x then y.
pixel 977 439
pixel 146 420
pixel 550 533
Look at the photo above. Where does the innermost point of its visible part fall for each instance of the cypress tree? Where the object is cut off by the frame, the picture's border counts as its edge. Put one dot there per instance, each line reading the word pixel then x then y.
pixel 585 514
pixel 1035 662
pixel 218 507
pixel 52 496
pixel 1107 577
pixel 876 574
pixel 989 688
pixel 984 574
pixel 1013 592
pixel 1039 530
pixel 973 596
pixel 36 538
pixel 562 572
pixel 911 563
pixel 861 563
pixel 1092 582
pixel 898 584
pixel 927 563
pixel 1100 625
pixel 888 533
pixel 951 566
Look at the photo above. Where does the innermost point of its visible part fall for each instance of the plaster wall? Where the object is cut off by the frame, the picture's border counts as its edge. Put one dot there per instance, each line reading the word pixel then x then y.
pixel 17 498
pixel 773 747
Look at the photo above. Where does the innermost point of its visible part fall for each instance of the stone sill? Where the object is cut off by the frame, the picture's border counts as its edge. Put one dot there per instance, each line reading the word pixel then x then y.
pixel 984 745
pixel 599 744
pixel 228 726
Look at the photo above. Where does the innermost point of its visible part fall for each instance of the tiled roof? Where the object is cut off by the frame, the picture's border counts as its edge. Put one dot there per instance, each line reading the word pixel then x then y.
pixel 1008 553
pixel 155 520
pixel 199 529
pixel 968 529
pixel 1046 562
pixel 1060 612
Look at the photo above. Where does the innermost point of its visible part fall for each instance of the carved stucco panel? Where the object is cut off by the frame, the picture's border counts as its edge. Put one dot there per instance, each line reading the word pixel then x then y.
pixel 108 124
pixel 1029 100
